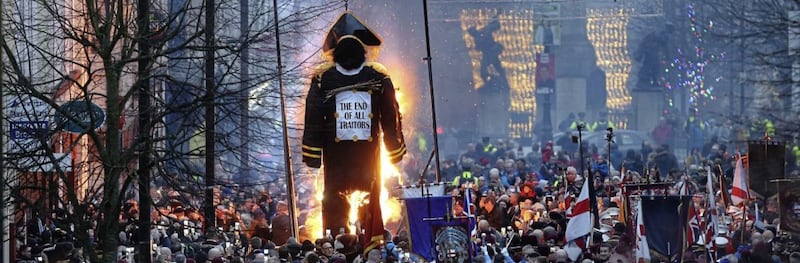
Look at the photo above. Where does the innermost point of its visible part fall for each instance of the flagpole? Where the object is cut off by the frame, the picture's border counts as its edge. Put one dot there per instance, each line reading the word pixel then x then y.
pixel 428 59
pixel 723 190
pixel 609 140
pixel 589 179
pixel 778 227
pixel 744 221
pixel 287 154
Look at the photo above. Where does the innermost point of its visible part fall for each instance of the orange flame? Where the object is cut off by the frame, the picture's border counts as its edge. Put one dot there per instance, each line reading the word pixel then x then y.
pixel 356 199
pixel 391 209
pixel 313 223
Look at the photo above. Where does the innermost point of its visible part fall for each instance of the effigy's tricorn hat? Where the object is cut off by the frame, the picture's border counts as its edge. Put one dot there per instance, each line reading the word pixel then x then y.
pixel 349 24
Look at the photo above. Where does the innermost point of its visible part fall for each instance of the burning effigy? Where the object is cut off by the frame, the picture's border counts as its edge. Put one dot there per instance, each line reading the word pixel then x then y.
pixel 351 110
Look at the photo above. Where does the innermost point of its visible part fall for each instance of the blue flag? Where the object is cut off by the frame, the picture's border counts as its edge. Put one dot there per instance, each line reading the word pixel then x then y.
pixel 665 218
pixel 436 233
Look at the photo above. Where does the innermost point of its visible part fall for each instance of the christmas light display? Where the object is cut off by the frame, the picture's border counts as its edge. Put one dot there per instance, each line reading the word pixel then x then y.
pixel 687 70
pixel 607 31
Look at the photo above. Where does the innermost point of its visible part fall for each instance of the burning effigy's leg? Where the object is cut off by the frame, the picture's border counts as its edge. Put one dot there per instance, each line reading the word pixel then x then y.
pixel 334 212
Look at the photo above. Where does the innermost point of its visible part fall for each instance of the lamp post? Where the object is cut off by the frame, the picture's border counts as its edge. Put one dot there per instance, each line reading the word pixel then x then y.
pixel 210 117
pixel 244 103
pixel 145 119
pixel 545 126
pixel 545 86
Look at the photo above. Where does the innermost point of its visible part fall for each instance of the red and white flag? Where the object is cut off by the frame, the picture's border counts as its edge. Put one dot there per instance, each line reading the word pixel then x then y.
pixel 581 222
pixel 740 192
pixel 693 228
pixel 642 248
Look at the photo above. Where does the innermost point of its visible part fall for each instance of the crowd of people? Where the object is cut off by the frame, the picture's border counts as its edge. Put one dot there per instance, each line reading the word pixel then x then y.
pixel 529 192
pixel 520 204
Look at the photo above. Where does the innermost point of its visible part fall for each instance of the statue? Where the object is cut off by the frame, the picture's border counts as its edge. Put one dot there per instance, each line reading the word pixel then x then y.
pixel 492 72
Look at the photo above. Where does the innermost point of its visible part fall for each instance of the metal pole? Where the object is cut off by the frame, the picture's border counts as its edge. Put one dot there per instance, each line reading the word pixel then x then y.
pixel 430 86
pixel 610 139
pixel 588 179
pixel 210 117
pixel 4 250
pixel 287 155
pixel 145 107
pixel 244 107
pixel 580 145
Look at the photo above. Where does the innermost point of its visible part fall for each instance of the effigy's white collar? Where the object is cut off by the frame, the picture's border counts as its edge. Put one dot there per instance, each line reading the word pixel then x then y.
pixel 349 72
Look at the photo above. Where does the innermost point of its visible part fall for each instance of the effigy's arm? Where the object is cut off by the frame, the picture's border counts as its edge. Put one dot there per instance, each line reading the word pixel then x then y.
pixel 313 134
pixel 391 123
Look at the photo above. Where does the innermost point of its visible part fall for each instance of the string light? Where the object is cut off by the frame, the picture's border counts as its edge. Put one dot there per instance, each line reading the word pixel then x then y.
pixel 689 70
pixel 607 31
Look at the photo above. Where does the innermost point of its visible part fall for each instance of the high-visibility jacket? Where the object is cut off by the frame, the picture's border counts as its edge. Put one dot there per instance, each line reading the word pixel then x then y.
pixel 465 177
pixel 601 125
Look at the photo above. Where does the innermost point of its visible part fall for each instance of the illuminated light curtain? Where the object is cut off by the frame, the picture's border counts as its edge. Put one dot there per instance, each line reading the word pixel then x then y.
pixel 607 31
pixel 518 59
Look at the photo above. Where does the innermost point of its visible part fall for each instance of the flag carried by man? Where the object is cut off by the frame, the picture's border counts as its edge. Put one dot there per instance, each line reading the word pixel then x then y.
pixel 579 225
pixel 740 190
pixel 642 248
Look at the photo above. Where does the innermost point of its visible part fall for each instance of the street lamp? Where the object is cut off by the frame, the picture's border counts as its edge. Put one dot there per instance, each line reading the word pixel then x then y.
pixel 545 86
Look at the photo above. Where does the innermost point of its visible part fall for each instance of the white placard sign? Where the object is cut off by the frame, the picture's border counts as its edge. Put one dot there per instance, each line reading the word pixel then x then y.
pixel 354 115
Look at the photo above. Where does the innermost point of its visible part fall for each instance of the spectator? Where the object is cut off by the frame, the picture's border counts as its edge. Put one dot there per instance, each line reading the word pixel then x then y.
pixel 662 133
pixel 565 124
pixel 495 217
pixel 694 129
pixel 665 160
pixel 281 225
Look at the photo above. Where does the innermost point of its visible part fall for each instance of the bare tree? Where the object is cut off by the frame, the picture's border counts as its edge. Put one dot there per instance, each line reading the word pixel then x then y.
pixel 72 74
pixel 760 41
